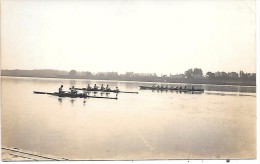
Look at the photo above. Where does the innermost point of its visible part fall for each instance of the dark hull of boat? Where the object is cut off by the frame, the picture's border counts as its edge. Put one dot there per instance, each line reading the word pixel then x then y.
pixel 171 89
pixel 72 95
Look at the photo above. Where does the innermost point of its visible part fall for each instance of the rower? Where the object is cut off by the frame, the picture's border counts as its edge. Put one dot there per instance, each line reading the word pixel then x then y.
pixel 177 87
pixel 61 89
pixel 192 88
pixel 89 87
pixel 95 86
pixel 180 88
pixel 102 87
pixel 73 90
pixel 158 86
pixel 161 86
pixel 166 87
pixel 107 88
pixel 184 87
pixel 117 90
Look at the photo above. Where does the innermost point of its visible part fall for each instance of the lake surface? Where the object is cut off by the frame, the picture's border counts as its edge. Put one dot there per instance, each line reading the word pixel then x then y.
pixel 217 124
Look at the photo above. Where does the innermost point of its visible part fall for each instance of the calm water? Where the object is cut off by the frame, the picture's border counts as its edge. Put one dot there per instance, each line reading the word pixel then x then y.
pixel 219 123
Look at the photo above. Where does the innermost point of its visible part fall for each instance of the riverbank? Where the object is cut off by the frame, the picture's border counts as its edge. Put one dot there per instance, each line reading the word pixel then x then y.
pixel 159 80
pixel 16 154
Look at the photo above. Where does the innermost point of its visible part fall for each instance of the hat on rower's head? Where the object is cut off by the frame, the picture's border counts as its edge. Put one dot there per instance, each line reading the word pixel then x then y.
pixel 61 85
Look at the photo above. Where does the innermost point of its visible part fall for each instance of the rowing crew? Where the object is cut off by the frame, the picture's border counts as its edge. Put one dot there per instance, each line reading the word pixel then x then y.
pixel 74 91
pixel 96 87
pixel 102 88
pixel 172 87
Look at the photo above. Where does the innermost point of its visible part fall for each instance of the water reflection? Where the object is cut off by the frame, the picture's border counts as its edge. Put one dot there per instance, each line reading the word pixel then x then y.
pixel 72 101
pixel 72 82
pixel 230 94
pixel 60 100
pixel 177 92
pixel 137 126
pixel 104 93
pixel 230 88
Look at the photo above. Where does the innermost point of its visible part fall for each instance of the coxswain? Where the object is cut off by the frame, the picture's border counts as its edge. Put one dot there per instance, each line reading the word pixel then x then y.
pixel 61 89
pixel 73 90
pixel 102 87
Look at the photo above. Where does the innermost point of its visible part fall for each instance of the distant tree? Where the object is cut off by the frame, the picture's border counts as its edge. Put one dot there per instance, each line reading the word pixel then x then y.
pixel 245 76
pixel 233 75
pixel 224 75
pixel 210 75
pixel 198 72
pixel 101 75
pixel 221 75
pixel 241 75
pixel 189 73
pixel 253 76
pixel 87 73
pixel 72 73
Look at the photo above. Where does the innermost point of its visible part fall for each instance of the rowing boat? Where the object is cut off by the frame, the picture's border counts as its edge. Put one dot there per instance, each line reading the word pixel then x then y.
pixel 104 90
pixel 66 94
pixel 173 89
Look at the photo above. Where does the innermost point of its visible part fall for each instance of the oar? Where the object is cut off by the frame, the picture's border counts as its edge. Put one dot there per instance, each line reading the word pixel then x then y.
pixel 101 97
pixel 36 92
pixel 80 88
pixel 90 90
pixel 127 92
pixel 115 91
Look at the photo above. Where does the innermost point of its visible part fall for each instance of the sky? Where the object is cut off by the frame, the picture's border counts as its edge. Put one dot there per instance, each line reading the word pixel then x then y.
pixel 148 36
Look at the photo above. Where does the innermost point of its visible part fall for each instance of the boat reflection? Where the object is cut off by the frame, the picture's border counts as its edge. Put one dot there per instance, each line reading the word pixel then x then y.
pixel 60 100
pixel 177 91
pixel 72 101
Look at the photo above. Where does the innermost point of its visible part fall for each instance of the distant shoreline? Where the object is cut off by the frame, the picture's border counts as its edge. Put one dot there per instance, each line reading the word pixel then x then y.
pixel 180 81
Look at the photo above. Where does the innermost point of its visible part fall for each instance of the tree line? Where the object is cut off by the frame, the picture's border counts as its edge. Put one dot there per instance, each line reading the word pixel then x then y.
pixel 197 73
pixel 190 76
